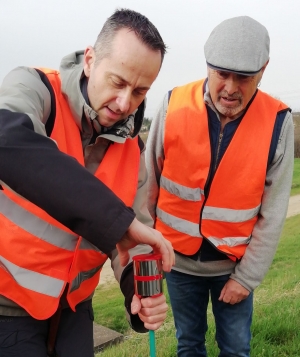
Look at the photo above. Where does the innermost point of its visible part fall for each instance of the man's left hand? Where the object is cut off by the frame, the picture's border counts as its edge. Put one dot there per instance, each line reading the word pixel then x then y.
pixel 152 310
pixel 233 292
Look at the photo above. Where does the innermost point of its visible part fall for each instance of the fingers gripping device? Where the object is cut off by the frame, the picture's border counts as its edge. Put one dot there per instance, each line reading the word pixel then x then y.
pixel 148 277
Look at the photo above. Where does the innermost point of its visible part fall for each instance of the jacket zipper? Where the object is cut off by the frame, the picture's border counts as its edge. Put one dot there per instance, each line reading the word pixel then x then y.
pixel 208 189
pixel 218 150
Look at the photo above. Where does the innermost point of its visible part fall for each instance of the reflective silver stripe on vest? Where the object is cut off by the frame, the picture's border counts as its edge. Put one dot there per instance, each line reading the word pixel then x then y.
pixel 31 280
pixel 229 215
pixel 82 276
pixel 184 192
pixel 179 224
pixel 35 225
pixel 229 241
pixel 86 245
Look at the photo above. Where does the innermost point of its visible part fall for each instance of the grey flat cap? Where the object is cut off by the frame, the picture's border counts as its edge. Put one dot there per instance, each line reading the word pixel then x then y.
pixel 240 45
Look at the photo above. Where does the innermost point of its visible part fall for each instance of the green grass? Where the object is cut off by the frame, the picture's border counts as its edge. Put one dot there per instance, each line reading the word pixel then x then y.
pixel 108 308
pixel 275 327
pixel 296 179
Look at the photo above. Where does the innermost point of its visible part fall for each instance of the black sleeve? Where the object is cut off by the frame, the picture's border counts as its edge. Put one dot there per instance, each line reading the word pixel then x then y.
pixel 32 165
pixel 127 288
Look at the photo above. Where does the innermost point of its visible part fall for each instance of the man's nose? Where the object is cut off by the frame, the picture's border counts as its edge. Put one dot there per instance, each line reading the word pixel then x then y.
pixel 231 85
pixel 123 101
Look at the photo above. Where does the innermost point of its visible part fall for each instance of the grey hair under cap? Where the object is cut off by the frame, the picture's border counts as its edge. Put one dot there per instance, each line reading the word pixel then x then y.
pixel 240 45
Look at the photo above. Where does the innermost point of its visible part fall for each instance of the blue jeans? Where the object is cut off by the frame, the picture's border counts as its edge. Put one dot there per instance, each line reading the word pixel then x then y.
pixel 189 296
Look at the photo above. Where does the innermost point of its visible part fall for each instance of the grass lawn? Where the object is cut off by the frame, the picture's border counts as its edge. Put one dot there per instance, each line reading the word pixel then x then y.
pixel 275 328
pixel 296 180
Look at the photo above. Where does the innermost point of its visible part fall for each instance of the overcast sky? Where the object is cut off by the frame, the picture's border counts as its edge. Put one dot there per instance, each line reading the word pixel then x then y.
pixel 41 32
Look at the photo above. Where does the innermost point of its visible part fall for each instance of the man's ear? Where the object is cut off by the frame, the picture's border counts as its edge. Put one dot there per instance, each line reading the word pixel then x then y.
pixel 264 67
pixel 262 71
pixel 208 71
pixel 88 60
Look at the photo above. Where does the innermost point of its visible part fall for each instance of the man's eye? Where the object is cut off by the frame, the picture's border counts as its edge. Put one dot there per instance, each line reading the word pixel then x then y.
pixel 243 78
pixel 139 92
pixel 222 75
pixel 117 84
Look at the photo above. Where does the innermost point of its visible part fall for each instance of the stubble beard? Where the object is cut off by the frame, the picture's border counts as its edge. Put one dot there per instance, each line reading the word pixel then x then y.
pixel 229 112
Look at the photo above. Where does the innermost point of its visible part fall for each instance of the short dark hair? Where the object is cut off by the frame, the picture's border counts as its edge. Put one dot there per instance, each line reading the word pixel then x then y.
pixel 134 21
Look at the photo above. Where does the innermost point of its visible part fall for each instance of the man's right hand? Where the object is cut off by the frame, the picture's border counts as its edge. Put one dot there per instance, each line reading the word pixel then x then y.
pixel 138 233
pixel 152 310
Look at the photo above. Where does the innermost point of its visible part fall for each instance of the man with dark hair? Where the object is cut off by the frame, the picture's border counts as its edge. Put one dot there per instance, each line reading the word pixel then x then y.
pixel 220 163
pixel 73 190
pixel 132 21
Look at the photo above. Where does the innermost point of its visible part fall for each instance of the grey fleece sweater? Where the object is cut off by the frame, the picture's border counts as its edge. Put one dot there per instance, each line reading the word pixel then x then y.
pixel 252 268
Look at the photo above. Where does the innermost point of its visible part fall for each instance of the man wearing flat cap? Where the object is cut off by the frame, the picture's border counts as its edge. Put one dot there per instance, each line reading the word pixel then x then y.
pixel 220 161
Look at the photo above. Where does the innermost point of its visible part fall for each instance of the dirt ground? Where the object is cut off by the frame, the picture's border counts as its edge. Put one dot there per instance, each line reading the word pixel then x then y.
pixel 107 275
pixel 294 206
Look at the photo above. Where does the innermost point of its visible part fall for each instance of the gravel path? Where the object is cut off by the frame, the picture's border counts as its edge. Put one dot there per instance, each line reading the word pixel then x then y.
pixel 107 275
pixel 294 206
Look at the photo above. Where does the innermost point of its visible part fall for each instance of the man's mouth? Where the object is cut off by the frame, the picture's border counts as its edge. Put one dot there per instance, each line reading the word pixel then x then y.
pixel 230 100
pixel 113 115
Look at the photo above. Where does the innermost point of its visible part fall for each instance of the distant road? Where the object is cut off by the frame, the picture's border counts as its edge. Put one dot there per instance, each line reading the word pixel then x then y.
pixel 107 274
pixel 294 206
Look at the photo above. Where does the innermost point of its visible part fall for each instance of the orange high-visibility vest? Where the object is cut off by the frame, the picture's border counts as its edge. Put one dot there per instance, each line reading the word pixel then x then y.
pixel 225 217
pixel 39 255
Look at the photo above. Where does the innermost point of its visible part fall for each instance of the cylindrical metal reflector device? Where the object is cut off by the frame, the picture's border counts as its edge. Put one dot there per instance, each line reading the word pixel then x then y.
pixel 148 275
